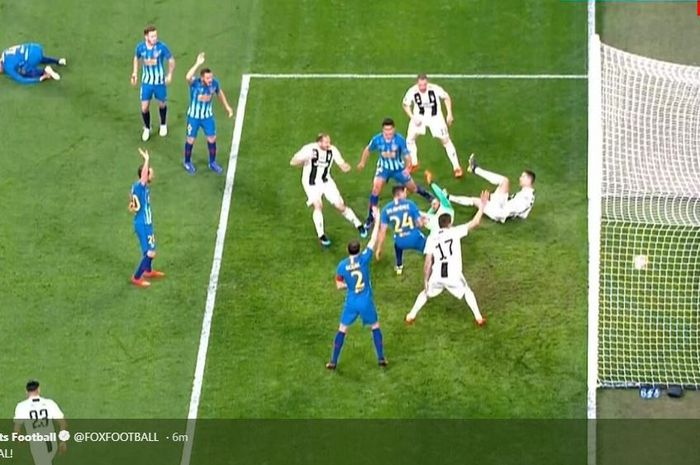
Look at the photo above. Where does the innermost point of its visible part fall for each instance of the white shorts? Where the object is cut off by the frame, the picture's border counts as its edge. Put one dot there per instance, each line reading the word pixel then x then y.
pixel 326 189
pixel 436 124
pixel 41 453
pixel 457 287
pixel 496 207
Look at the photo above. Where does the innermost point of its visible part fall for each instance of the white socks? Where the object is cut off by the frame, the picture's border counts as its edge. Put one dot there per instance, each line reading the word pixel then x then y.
pixel 462 200
pixel 349 215
pixel 452 154
pixel 420 301
pixel 471 301
pixel 493 178
pixel 413 149
pixel 318 222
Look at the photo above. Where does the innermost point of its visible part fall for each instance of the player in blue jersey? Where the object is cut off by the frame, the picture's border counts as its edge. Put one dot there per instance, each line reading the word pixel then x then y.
pixel 394 158
pixel 200 113
pixel 140 206
pixel 353 274
pixel 21 64
pixel 406 221
pixel 153 54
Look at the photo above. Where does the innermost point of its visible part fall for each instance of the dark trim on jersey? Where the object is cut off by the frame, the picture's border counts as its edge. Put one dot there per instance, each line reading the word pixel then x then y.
pixel 432 98
pixel 314 166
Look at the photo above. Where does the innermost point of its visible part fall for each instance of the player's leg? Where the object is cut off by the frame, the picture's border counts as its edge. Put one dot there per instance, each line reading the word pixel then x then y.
pixel 398 251
pixel 145 262
pixel 331 192
pixel 192 130
pixel 147 92
pixel 438 128
pixel 461 290
pixel 370 318
pixel 209 126
pixel 43 452
pixel 347 318
pixel 464 200
pixel 149 272
pixel 434 289
pixel 161 94
pixel 377 186
pixel 415 188
pixel 494 178
pixel 33 58
pixel 411 142
pixel 317 216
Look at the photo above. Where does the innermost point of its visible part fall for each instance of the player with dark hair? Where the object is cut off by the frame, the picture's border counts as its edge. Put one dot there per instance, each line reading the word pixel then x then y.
pixel 140 206
pixel 21 64
pixel 353 275
pixel 406 221
pixel 200 113
pixel 37 414
pixel 394 158
pixel 154 79
pixel 501 204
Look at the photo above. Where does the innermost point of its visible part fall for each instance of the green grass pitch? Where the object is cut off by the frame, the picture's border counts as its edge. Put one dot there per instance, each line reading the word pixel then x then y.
pixel 71 319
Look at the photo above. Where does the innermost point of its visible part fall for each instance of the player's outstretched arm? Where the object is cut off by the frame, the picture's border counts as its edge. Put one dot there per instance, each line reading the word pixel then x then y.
pixel 146 166
pixel 198 62
pixel 224 102
pixel 171 70
pixel 375 230
pixel 484 199
pixel 363 159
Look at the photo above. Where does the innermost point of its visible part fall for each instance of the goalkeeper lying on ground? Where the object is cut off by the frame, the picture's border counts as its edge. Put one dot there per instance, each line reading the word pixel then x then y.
pixel 440 204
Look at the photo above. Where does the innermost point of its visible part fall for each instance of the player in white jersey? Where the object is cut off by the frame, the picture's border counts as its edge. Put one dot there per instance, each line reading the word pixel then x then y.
pixel 317 159
pixel 443 264
pixel 422 105
pixel 501 204
pixel 37 414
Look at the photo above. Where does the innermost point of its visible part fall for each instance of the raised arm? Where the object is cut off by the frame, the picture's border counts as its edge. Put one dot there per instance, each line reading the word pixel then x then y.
pixel 224 102
pixel 193 70
pixel 146 166
pixel 477 217
pixel 375 230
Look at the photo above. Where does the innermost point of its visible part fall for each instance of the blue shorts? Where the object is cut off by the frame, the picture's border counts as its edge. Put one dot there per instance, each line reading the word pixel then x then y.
pixel 159 91
pixel 364 309
pixel 399 176
pixel 413 241
pixel 208 125
pixel 147 240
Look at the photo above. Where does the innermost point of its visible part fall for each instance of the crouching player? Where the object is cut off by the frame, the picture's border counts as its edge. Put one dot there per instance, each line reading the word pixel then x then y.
pixel 21 63
pixel 406 220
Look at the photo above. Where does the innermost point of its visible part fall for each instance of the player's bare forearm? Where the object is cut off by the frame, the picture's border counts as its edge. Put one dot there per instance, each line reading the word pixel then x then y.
pixel 224 102
pixel 363 158
pixel 375 230
pixel 345 167
pixel 380 242
pixel 171 70
pixel 407 110
pixel 146 166
pixel 484 199
pixel 340 285
pixel 448 107
pixel 135 71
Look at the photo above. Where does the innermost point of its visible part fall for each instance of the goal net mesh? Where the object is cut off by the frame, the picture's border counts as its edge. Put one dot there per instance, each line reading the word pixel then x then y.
pixel 649 300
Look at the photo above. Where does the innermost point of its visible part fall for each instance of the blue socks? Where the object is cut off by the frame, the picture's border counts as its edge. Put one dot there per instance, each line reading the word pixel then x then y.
pixel 49 60
pixel 378 343
pixel 144 265
pixel 373 202
pixel 188 152
pixel 212 151
pixel 146 115
pixel 399 255
pixel 337 345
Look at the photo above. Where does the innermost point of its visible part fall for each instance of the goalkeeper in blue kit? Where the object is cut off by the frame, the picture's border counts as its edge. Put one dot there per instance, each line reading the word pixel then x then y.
pixel 21 64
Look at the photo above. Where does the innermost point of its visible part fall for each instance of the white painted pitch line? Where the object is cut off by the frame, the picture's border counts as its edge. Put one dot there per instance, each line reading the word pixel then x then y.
pixel 412 76
pixel 215 268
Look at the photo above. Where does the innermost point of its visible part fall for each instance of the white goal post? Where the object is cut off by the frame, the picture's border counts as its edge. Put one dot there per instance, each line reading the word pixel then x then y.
pixel 644 222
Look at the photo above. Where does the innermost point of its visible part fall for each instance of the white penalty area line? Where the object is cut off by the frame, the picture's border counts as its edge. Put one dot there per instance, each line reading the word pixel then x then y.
pixel 413 76
pixel 214 275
